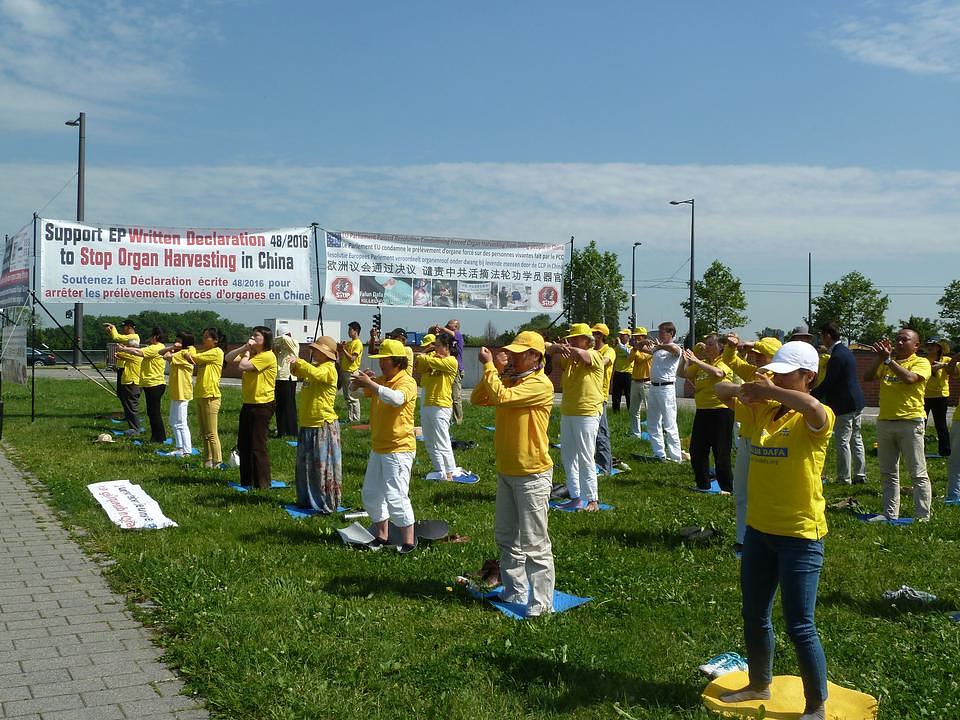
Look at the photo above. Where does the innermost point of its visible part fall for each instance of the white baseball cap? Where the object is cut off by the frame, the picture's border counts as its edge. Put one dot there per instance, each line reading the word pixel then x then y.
pixel 794 355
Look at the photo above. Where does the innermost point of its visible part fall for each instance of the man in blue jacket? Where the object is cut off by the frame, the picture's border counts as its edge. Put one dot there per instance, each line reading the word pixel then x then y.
pixel 840 390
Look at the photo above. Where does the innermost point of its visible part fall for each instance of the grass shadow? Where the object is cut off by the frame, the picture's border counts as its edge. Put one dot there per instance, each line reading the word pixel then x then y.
pixel 230 497
pixel 361 586
pixel 878 607
pixel 668 539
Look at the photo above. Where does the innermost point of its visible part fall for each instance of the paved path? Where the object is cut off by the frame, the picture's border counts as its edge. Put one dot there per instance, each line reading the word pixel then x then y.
pixel 68 648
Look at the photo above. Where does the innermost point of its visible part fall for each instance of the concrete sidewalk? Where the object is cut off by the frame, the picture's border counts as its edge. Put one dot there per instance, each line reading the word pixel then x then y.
pixel 68 648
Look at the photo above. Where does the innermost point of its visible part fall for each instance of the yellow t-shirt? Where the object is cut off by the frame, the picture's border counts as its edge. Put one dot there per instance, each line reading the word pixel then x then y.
pixel 257 385
pixel 354 347
pixel 436 378
pixel 624 361
pixel 582 386
pixel 898 400
pixel 642 362
pixel 521 446
pixel 740 367
pixel 131 369
pixel 152 367
pixel 319 393
pixel 784 490
pixel 607 352
pixel 123 360
pixel 209 370
pixel 391 428
pixel 822 368
pixel 181 375
pixel 704 383
pixel 938 385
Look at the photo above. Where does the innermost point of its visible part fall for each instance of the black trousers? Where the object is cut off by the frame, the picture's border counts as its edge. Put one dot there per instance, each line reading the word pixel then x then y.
pixel 158 433
pixel 712 431
pixel 938 406
pixel 620 388
pixel 286 399
pixel 129 395
pixel 252 444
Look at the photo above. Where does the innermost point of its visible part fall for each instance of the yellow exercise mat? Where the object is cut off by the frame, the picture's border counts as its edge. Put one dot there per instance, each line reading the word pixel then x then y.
pixel 786 699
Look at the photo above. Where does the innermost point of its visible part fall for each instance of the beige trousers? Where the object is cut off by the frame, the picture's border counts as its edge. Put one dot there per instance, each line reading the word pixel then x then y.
pixel 208 411
pixel 896 439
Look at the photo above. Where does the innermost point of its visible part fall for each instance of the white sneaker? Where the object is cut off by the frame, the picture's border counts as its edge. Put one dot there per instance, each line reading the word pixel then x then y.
pixel 722 664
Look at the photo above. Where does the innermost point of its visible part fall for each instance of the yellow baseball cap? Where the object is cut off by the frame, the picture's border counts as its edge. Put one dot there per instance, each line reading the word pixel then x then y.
pixel 427 339
pixel 600 328
pixel 578 329
pixel 767 346
pixel 623 331
pixel 391 348
pixel 640 331
pixel 527 340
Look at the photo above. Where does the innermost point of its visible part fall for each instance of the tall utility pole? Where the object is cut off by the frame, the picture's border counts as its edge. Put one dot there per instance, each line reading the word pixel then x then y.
pixel 810 292
pixel 691 337
pixel 633 288
pixel 81 123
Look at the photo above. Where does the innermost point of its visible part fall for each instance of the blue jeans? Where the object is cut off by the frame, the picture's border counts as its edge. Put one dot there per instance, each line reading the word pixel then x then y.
pixel 794 564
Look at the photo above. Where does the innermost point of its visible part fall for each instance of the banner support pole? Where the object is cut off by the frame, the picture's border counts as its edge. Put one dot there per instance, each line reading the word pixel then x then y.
pixel 33 325
pixel 318 331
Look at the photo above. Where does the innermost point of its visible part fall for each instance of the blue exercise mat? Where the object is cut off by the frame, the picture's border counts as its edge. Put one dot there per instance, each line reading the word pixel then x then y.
pixel 274 484
pixel 162 453
pixel 168 441
pixel 933 456
pixel 292 443
pixel 300 513
pixel 615 471
pixel 138 442
pixel 955 617
pixel 952 502
pixel 118 433
pixel 555 445
pixel 491 428
pixel 558 505
pixel 869 518
pixel 467 479
pixel 714 489
pixel 561 603
pixel 117 422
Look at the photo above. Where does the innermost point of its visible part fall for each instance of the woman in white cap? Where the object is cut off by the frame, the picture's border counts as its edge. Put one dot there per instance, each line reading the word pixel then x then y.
pixel 438 370
pixel 789 431
pixel 285 348
pixel 386 484
pixel 319 467
pixel 580 408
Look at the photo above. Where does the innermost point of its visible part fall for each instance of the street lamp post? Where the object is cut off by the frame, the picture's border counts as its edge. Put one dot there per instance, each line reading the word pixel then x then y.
pixel 81 124
pixel 691 337
pixel 633 289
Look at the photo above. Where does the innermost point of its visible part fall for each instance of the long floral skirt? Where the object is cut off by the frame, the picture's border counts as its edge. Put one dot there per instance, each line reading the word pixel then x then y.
pixel 319 471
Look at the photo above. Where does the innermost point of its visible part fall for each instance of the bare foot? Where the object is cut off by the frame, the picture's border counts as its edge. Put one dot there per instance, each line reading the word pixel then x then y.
pixel 747 693
pixel 592 506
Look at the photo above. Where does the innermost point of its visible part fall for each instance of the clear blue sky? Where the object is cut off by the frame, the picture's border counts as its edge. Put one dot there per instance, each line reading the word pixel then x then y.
pixel 817 127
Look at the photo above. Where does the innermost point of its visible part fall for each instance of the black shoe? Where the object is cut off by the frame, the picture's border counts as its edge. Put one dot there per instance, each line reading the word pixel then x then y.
pixel 859 481
pixel 406 548
pixel 377 543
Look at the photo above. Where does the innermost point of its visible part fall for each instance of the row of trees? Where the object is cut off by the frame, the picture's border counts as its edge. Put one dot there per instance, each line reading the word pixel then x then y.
pixel 594 289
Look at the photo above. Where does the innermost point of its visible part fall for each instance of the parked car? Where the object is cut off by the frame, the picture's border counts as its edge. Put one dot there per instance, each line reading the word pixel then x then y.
pixel 40 357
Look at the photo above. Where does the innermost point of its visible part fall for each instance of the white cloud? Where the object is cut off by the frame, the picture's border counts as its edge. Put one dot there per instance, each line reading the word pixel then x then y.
pixel 899 227
pixel 924 38
pixel 57 58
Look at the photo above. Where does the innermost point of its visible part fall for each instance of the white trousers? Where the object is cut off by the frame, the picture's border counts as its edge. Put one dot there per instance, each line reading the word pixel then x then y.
pixel 386 488
pixel 180 426
pixel 662 421
pixel 520 529
pixel 849 445
pixel 741 472
pixel 638 400
pixel 578 440
pixel 436 436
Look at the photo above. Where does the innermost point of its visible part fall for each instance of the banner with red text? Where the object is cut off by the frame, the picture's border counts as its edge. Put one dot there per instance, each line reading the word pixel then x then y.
pixel 155 265
pixel 414 271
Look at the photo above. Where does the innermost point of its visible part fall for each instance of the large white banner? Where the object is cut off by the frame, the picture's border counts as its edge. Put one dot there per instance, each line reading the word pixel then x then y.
pixel 128 506
pixel 412 271
pixel 141 264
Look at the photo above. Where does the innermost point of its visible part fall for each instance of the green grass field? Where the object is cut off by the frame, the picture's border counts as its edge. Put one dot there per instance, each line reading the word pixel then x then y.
pixel 269 617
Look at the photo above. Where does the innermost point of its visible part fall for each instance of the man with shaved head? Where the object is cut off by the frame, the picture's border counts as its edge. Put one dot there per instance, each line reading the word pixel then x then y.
pixel 902 375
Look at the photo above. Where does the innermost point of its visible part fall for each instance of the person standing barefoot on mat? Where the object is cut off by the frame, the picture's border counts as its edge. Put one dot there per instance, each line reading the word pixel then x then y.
pixel 789 431
pixel 523 397
pixel 259 366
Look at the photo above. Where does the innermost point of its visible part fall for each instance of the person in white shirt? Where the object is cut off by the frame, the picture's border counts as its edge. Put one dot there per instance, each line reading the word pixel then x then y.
pixel 662 397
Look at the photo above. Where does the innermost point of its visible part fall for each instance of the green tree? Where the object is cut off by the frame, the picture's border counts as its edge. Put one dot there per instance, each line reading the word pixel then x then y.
pixel 721 301
pixel 856 305
pixel 593 287
pixel 950 310
pixel 925 327
pixel 538 323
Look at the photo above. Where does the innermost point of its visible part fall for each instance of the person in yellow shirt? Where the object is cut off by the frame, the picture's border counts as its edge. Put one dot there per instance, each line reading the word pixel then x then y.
pixel 152 379
pixel 351 353
pixel 641 358
pixel 128 374
pixel 622 370
pixel 789 431
pixel 743 358
pixel 937 391
pixel 953 463
pixel 903 376
pixel 285 389
pixel 386 484
pixel 713 421
pixel 209 363
pixel 603 452
pixel 258 363
pixel 181 391
pixel 515 385
pixel 438 370
pixel 319 463
pixel 580 409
